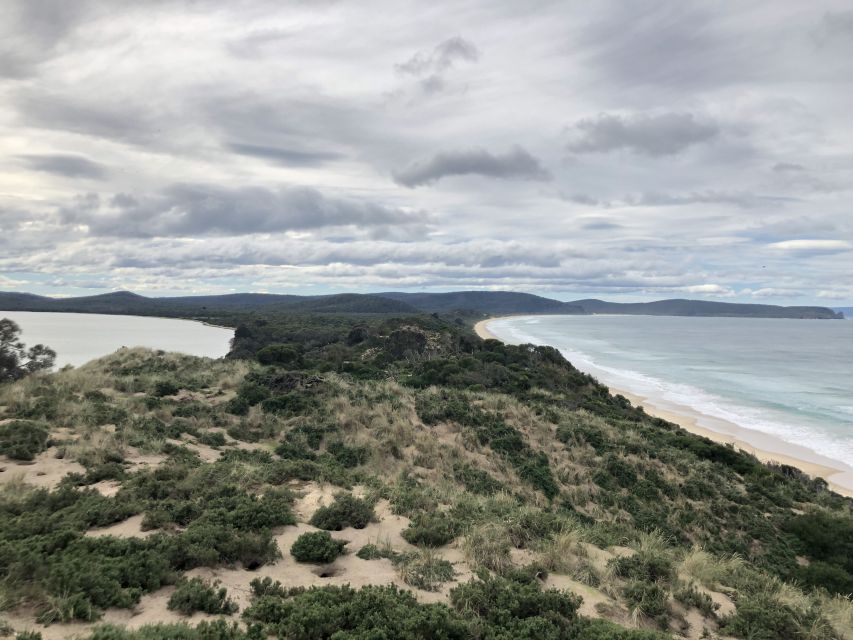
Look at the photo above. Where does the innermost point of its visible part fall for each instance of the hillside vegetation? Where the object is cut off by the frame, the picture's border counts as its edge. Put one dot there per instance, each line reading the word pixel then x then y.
pixel 393 478
pixel 231 307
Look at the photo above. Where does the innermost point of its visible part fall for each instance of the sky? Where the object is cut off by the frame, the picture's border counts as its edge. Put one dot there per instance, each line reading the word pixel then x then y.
pixel 621 150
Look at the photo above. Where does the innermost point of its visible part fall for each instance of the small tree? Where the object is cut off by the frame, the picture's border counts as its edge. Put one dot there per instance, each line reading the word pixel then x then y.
pixel 16 361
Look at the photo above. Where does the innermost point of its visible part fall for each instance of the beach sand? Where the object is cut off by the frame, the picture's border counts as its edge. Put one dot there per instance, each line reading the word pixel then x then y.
pixel 763 446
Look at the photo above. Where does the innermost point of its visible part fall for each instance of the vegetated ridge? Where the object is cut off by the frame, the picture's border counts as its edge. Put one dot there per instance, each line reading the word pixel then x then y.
pixel 398 477
pixel 472 302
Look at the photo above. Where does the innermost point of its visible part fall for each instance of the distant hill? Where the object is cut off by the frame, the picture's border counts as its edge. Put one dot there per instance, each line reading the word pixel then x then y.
pixel 679 307
pixel 125 302
pixel 475 302
pixel 488 302
pixel 847 311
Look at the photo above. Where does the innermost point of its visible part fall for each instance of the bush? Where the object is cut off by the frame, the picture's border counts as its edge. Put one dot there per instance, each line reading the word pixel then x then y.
pixel 650 599
pixel 690 596
pixel 424 570
pixel 762 618
pixel 317 547
pixel 22 440
pixel 163 388
pixel 280 354
pixel 644 566
pixel 343 612
pixel 511 607
pixel 431 530
pixel 345 511
pixel 199 595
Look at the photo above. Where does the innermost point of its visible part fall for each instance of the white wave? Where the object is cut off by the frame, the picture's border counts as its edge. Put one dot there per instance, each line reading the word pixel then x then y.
pixel 671 396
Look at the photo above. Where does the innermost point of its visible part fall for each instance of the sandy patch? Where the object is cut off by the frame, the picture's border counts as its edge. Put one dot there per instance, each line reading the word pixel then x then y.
pixel 107 488
pixel 591 596
pixel 130 528
pixel 46 471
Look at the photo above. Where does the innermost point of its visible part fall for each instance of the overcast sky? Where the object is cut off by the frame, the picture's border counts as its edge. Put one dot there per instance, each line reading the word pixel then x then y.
pixel 625 150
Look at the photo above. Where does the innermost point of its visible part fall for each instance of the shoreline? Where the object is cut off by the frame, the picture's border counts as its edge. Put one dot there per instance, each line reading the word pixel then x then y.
pixel 839 479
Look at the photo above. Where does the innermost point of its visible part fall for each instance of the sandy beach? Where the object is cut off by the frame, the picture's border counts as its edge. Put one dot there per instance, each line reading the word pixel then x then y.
pixel 765 447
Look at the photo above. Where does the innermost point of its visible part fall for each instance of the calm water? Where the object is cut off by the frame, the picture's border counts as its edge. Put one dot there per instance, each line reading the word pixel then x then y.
pixel 792 379
pixel 80 337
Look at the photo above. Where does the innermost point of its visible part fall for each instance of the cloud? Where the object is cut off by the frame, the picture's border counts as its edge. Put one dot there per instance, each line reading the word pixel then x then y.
pixel 284 157
pixel 812 246
pixel 736 198
pixel 653 135
pixel 786 167
pixel 431 67
pixel 68 165
pixel 441 58
pixel 514 164
pixel 189 210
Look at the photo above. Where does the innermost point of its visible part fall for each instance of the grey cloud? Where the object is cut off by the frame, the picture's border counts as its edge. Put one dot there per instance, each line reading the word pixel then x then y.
pixel 835 26
pixel 88 115
pixel 441 58
pixel 285 157
pixel 68 165
pixel 30 30
pixel 514 164
pixel 652 135
pixel 784 167
pixel 257 43
pixel 736 198
pixel 430 67
pixel 188 210
pixel 664 43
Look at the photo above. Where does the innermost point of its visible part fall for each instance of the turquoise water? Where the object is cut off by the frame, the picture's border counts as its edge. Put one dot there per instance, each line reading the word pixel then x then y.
pixel 790 379
pixel 78 338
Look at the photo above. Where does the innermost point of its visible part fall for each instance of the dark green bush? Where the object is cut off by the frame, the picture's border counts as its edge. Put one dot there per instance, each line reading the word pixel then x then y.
pixel 431 530
pixel 762 618
pixel 199 595
pixel 22 440
pixel 163 388
pixel 650 599
pixel 280 354
pixel 343 612
pixel 317 547
pixel 644 566
pixel 690 596
pixel 205 630
pixel 476 480
pixel 345 511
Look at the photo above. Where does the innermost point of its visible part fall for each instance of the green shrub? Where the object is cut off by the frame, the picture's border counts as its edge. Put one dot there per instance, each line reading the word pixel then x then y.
pixel 317 547
pixel 280 354
pixel 199 595
pixel 22 440
pixel 475 480
pixel 348 456
pixel 431 530
pixel 343 612
pixel 649 598
pixel 163 388
pixel 345 511
pixel 762 618
pixel 644 566
pixel 424 570
pixel 690 596
pixel 204 630
pixel 212 438
pixel 512 607
pixel 375 552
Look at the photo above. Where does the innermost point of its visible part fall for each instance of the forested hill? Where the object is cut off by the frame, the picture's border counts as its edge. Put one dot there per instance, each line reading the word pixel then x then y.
pixel 706 308
pixel 471 302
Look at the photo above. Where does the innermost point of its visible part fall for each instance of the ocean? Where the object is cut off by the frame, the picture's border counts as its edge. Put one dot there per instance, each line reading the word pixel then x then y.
pixel 788 379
